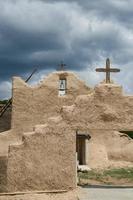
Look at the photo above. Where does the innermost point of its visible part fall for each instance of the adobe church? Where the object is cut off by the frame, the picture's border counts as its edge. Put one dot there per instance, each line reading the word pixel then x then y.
pixel 62 122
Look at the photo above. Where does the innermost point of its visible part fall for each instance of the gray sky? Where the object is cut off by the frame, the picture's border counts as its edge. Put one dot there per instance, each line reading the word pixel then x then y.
pixel 83 33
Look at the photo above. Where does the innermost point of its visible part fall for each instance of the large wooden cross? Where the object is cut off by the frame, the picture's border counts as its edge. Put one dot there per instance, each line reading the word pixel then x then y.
pixel 107 70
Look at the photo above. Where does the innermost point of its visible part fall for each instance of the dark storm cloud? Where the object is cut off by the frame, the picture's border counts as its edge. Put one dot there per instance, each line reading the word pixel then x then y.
pixel 18 46
pixel 82 33
pixel 120 10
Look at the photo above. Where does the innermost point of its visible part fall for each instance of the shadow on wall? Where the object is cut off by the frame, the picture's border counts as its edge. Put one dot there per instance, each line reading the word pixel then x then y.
pixel 3 174
pixel 5 120
pixel 128 133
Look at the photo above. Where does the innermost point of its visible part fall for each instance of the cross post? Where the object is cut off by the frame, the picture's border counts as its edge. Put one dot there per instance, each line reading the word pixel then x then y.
pixel 107 70
pixel 62 66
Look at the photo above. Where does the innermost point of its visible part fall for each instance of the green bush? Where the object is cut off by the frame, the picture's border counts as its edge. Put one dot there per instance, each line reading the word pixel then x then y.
pixel 3 101
pixel 101 175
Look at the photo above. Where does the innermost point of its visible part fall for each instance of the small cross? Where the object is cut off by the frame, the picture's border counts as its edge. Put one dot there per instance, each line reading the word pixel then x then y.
pixel 62 65
pixel 107 70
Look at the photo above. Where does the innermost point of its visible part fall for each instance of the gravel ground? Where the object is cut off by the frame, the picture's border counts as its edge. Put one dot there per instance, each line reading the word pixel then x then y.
pixel 106 194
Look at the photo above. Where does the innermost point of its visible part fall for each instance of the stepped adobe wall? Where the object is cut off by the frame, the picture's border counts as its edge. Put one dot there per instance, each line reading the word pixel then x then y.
pixel 32 105
pixel 51 148
pixel 44 160
pixel 101 113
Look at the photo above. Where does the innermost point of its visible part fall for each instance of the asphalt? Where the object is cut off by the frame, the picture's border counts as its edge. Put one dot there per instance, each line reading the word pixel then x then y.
pixel 106 193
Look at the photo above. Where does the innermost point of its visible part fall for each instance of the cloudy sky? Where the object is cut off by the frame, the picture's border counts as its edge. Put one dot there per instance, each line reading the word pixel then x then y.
pixel 83 33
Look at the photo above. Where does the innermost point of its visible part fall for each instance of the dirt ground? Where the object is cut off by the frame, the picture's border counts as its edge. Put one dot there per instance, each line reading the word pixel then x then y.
pixel 108 181
pixel 72 195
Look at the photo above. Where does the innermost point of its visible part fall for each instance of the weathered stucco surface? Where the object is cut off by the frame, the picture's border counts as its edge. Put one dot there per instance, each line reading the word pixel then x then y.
pixel 107 108
pixel 34 105
pixel 109 148
pixel 45 160
pixel 103 114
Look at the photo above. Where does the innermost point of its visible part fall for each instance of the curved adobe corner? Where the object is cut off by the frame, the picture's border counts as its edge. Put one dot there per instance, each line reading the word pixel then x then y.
pixel 103 114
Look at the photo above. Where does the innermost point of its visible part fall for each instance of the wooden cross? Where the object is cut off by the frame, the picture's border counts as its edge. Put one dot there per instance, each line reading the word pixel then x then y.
pixel 62 65
pixel 107 70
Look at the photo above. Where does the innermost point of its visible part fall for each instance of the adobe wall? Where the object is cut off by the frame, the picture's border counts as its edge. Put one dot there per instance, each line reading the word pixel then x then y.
pixel 103 114
pixel 109 148
pixel 104 109
pixel 34 105
pixel 44 160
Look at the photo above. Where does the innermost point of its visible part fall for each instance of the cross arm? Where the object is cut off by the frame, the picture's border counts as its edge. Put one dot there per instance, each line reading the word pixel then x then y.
pixel 101 70
pixel 114 70
pixel 106 70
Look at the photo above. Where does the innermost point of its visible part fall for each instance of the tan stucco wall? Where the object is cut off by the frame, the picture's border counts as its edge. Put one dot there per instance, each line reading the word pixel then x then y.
pixel 109 148
pixel 105 109
pixel 44 160
pixel 31 161
pixel 103 114
pixel 34 105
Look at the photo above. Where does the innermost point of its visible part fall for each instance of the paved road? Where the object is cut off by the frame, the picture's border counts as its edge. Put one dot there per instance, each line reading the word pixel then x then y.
pixel 102 193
